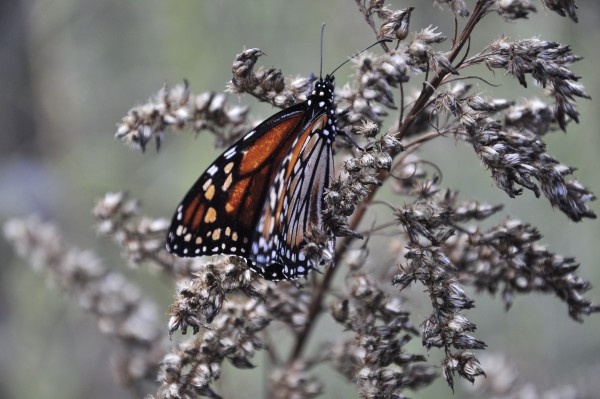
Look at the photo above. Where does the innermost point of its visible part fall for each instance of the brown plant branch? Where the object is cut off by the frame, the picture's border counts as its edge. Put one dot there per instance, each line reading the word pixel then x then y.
pixel 478 13
pixel 345 243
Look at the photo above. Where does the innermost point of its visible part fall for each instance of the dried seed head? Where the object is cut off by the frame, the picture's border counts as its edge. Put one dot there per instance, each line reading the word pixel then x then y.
pixel 395 24
pixel 514 9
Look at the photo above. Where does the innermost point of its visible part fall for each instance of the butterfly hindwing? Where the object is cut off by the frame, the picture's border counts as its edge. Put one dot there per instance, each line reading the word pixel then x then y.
pixel 294 205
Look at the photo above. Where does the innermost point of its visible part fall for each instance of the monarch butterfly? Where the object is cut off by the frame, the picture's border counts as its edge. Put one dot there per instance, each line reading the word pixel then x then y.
pixel 262 196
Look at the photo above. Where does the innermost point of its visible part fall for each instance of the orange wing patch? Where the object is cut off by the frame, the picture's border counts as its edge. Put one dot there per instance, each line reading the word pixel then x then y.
pixel 236 194
pixel 267 145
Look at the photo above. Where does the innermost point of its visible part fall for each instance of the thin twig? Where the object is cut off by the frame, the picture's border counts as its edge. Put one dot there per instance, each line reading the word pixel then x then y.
pixel 363 11
pixel 428 90
pixel 401 118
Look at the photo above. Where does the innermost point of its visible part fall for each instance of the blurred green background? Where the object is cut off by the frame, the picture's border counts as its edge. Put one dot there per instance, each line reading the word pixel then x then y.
pixel 70 69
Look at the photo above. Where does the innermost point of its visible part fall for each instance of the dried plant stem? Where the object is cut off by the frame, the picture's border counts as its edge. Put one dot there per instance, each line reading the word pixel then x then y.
pixel 428 89
pixel 422 139
pixel 367 15
pixel 315 305
pixel 344 243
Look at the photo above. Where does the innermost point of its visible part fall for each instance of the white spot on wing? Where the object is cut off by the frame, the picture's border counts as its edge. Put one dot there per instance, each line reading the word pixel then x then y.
pixel 230 152
pixel 212 170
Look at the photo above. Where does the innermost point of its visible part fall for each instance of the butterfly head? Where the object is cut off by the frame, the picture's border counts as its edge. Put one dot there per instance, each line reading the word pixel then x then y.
pixel 322 94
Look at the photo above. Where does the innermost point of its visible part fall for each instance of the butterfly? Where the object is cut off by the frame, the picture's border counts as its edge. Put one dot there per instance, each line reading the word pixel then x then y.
pixel 263 196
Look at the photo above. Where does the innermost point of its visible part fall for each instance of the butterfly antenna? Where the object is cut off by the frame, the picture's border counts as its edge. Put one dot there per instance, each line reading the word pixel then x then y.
pixel 356 54
pixel 322 34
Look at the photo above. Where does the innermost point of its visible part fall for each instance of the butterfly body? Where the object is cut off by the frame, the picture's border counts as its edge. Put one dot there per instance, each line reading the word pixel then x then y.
pixel 261 198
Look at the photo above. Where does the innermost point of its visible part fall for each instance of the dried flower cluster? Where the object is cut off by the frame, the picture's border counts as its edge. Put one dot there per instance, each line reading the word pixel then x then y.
pixel 510 258
pixel 191 366
pixel 429 223
pixel 117 304
pixel 345 194
pixel 294 382
pixel 435 239
pixel 202 298
pixel 141 237
pixel 375 356
pixel 547 62
pixel 562 7
pixel 514 153
pixel 178 109
pixel 265 84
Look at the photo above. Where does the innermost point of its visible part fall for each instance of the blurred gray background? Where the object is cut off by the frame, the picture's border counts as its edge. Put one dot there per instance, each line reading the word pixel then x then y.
pixel 70 69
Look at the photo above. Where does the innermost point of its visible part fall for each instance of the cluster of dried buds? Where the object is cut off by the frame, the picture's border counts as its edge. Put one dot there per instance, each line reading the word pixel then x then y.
pixel 503 382
pixel 265 84
pixel 294 382
pixel 510 258
pixel 121 312
pixel 345 194
pixel 547 62
pixel 513 149
pixel 178 109
pixel 429 224
pixel 375 356
pixel 141 237
pixel 193 365
pixel 200 299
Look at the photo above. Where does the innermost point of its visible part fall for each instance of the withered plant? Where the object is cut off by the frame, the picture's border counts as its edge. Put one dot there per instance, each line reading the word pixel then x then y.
pixel 408 92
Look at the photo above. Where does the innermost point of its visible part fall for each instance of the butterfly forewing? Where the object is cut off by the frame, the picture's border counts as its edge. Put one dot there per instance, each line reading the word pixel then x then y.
pixel 264 194
pixel 219 212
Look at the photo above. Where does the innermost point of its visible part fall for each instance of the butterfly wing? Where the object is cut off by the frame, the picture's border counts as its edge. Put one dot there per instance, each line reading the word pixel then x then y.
pixel 263 196
pixel 219 213
pixel 294 205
